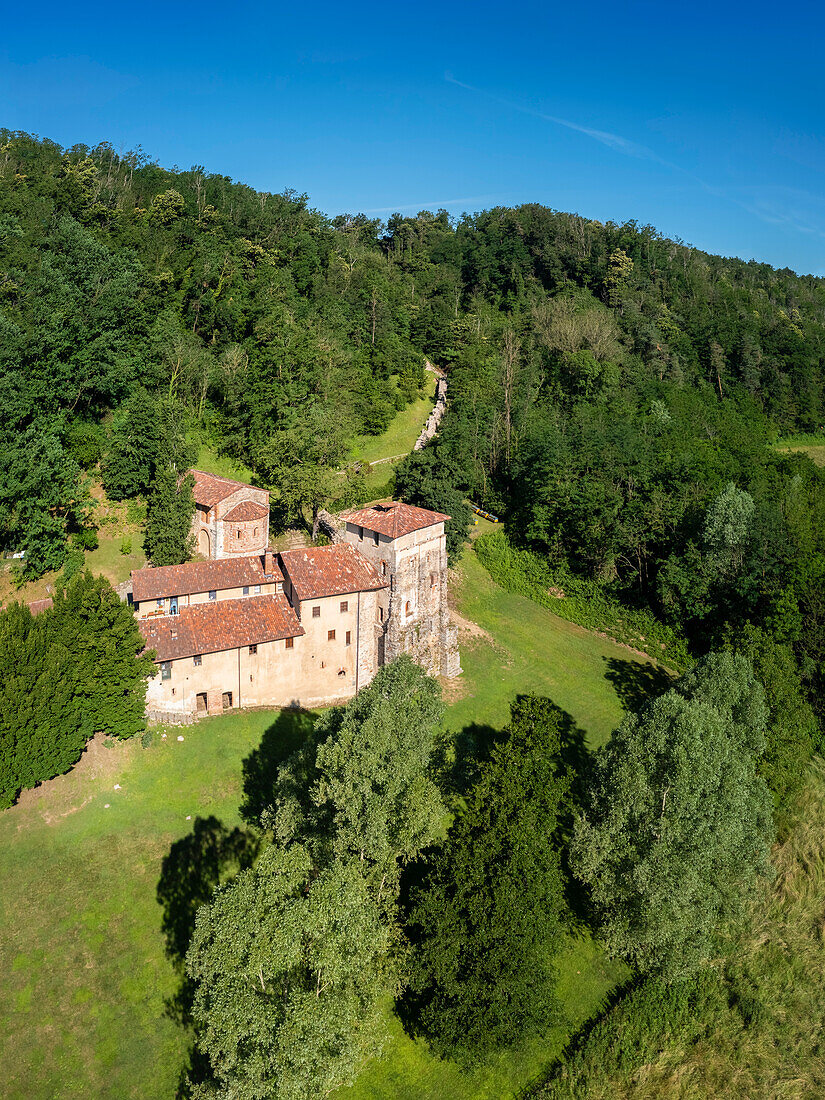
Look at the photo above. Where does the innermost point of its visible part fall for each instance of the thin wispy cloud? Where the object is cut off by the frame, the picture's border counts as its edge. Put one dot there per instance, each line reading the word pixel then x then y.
pixel 604 137
pixel 774 209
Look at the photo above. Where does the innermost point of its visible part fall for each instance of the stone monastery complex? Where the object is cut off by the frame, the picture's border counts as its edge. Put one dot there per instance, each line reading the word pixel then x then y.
pixel 249 627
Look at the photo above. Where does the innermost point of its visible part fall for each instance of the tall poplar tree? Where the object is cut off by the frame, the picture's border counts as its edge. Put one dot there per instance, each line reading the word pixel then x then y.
pixel 678 822
pixel 294 961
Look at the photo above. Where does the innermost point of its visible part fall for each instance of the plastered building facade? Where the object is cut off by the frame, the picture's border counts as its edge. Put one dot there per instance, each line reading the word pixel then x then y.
pixel 306 627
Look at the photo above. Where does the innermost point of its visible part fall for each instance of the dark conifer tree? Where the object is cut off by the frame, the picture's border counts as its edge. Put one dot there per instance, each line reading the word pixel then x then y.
pixel 168 539
pixel 486 921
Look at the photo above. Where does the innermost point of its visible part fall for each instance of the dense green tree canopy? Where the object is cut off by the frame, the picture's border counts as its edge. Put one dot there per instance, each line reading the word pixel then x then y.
pixel 677 820
pixel 291 967
pixel 74 670
pixel 485 922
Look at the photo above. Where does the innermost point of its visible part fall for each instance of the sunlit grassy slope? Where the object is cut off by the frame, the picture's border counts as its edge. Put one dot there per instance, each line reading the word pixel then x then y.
pixel 83 974
pixel 811 445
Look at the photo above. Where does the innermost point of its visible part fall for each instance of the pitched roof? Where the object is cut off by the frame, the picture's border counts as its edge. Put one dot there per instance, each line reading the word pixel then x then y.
pixel 330 571
pixel 394 519
pixel 247 509
pixel 209 489
pixel 226 624
pixel 201 576
pixel 36 606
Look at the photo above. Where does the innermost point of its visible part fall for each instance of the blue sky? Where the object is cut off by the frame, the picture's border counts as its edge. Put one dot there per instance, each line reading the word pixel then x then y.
pixel 705 120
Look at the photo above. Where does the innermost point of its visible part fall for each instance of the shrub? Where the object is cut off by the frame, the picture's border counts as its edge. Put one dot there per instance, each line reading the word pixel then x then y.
pixel 578 600
pixel 126 545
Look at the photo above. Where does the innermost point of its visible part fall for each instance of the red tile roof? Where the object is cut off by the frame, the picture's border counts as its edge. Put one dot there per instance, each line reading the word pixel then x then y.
pixel 247 509
pixel 329 571
pixel 394 519
pixel 201 576
pixel 36 606
pixel 213 627
pixel 210 489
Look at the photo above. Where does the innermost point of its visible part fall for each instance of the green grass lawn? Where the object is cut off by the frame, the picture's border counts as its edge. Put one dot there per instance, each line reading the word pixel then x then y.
pixel 811 445
pixel 402 433
pixel 83 973
pixel 221 465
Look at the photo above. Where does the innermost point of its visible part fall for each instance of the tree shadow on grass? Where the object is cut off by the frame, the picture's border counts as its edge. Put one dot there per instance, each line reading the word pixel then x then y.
pixel 636 683
pixel 459 755
pixel 203 859
pixel 211 855
pixel 195 865
pixel 290 730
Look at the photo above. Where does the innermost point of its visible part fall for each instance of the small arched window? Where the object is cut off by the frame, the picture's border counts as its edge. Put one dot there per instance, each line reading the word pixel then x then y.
pixel 408 608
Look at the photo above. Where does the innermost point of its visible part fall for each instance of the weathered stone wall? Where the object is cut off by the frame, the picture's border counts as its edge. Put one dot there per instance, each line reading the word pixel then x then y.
pixel 416 617
pixel 245 537
pixel 434 419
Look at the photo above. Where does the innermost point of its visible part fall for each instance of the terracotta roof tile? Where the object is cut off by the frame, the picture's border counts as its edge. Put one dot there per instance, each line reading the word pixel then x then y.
pixel 210 489
pixel 36 606
pixel 213 627
pixel 329 571
pixel 394 519
pixel 247 509
pixel 201 576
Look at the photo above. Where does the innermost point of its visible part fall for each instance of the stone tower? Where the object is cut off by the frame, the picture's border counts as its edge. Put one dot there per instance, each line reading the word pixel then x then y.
pixel 408 547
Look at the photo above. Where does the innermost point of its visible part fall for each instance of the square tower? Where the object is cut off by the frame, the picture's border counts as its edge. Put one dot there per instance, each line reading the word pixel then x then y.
pixel 408 547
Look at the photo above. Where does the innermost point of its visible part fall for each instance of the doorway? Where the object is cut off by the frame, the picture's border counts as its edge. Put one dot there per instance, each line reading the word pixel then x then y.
pixel 227 700
pixel 203 543
pixel 200 702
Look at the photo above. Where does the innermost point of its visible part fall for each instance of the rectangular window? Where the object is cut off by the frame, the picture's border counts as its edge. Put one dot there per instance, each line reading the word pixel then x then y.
pixel 239 532
pixel 246 590
pixel 349 637
pixel 253 649
pixel 289 643
pixel 197 660
pixel 361 533
pixel 256 532
pixel 159 603
pixel 213 595
pixel 383 569
pixel 433 578
pixel 381 614
pixel 257 590
pixel 279 586
pixel 344 605
pixel 316 612
pixel 375 537
pixel 166 670
pixel 330 635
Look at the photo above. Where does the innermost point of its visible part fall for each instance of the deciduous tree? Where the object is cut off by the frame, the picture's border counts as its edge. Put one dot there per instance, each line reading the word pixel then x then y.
pixel 678 820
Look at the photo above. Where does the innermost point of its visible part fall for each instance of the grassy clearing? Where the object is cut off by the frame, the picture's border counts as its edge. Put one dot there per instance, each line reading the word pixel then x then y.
pixel 83 973
pixel 116 521
pixel 402 433
pixel 222 465
pixel 811 445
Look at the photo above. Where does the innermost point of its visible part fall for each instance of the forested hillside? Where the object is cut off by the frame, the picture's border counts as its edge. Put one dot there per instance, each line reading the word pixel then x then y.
pixel 616 398
pixel 613 393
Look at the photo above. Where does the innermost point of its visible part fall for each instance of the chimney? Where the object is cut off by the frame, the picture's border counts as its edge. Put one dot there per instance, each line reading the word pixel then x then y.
pixel 269 562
